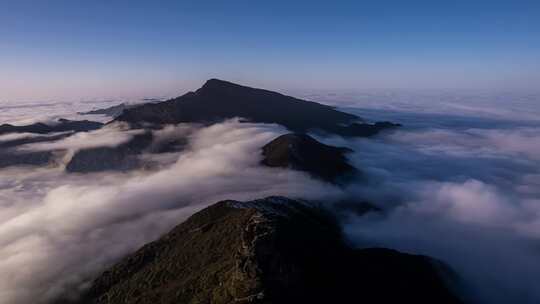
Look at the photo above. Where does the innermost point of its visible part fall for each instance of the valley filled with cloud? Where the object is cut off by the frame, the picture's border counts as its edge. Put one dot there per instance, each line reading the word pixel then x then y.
pixel 453 183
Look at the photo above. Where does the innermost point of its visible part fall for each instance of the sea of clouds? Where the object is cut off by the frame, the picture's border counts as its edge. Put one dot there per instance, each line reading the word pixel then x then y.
pixel 59 230
pixel 470 198
pixel 28 112
pixel 459 182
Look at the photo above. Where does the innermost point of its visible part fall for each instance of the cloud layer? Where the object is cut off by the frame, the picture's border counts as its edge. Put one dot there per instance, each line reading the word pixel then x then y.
pixel 470 197
pixel 460 182
pixel 56 231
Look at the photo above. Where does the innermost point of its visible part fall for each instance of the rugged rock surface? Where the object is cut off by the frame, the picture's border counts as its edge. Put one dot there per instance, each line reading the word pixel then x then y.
pixel 302 152
pixel 62 125
pixel 217 100
pixel 274 250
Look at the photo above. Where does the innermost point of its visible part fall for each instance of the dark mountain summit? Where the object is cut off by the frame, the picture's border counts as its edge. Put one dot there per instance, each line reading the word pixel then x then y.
pixel 217 100
pixel 302 152
pixel 62 125
pixel 274 250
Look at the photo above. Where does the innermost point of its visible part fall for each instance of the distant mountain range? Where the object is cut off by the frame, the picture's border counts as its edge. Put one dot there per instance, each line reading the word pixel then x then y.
pixel 113 111
pixel 62 125
pixel 215 101
pixel 218 100
pixel 11 156
pixel 272 250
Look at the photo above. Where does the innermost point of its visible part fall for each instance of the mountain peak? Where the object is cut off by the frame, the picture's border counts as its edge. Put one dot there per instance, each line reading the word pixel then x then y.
pixel 218 100
pixel 214 83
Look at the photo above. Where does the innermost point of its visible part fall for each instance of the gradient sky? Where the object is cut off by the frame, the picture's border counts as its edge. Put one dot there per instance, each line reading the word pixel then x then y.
pixel 96 49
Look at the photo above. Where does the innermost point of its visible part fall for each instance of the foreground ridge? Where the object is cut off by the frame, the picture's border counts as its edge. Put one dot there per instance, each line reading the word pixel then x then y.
pixel 273 250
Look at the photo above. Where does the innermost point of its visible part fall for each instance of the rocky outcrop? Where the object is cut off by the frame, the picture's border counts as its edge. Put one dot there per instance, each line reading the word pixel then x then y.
pixel 274 250
pixel 62 125
pixel 302 152
pixel 218 100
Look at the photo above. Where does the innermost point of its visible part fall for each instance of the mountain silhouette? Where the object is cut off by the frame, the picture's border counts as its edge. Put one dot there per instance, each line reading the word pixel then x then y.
pixel 302 152
pixel 218 100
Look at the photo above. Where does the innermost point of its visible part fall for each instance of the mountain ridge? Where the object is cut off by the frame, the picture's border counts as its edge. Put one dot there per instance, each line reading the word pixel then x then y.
pixel 271 250
pixel 218 100
pixel 302 152
pixel 62 125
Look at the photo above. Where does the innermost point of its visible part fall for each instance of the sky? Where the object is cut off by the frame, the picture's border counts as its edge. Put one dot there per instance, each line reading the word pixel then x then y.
pixel 62 50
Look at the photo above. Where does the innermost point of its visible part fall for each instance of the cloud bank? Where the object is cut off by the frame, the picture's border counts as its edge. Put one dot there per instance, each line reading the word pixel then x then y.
pixel 469 197
pixel 58 231
pixel 109 136
pixel 460 182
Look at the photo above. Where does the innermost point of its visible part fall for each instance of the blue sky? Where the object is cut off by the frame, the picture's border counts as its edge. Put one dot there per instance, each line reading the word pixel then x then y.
pixel 84 49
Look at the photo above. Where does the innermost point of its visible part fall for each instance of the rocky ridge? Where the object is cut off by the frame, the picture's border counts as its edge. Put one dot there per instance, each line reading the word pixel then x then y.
pixel 273 250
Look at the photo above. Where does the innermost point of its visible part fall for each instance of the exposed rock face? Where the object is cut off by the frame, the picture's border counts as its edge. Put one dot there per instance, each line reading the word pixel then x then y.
pixel 302 152
pixel 274 250
pixel 218 100
pixel 63 125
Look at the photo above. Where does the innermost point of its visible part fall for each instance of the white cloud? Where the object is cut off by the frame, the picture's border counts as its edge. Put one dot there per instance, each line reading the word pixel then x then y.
pixel 67 228
pixel 519 141
pixel 487 236
pixel 108 136
pixel 467 197
pixel 462 187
